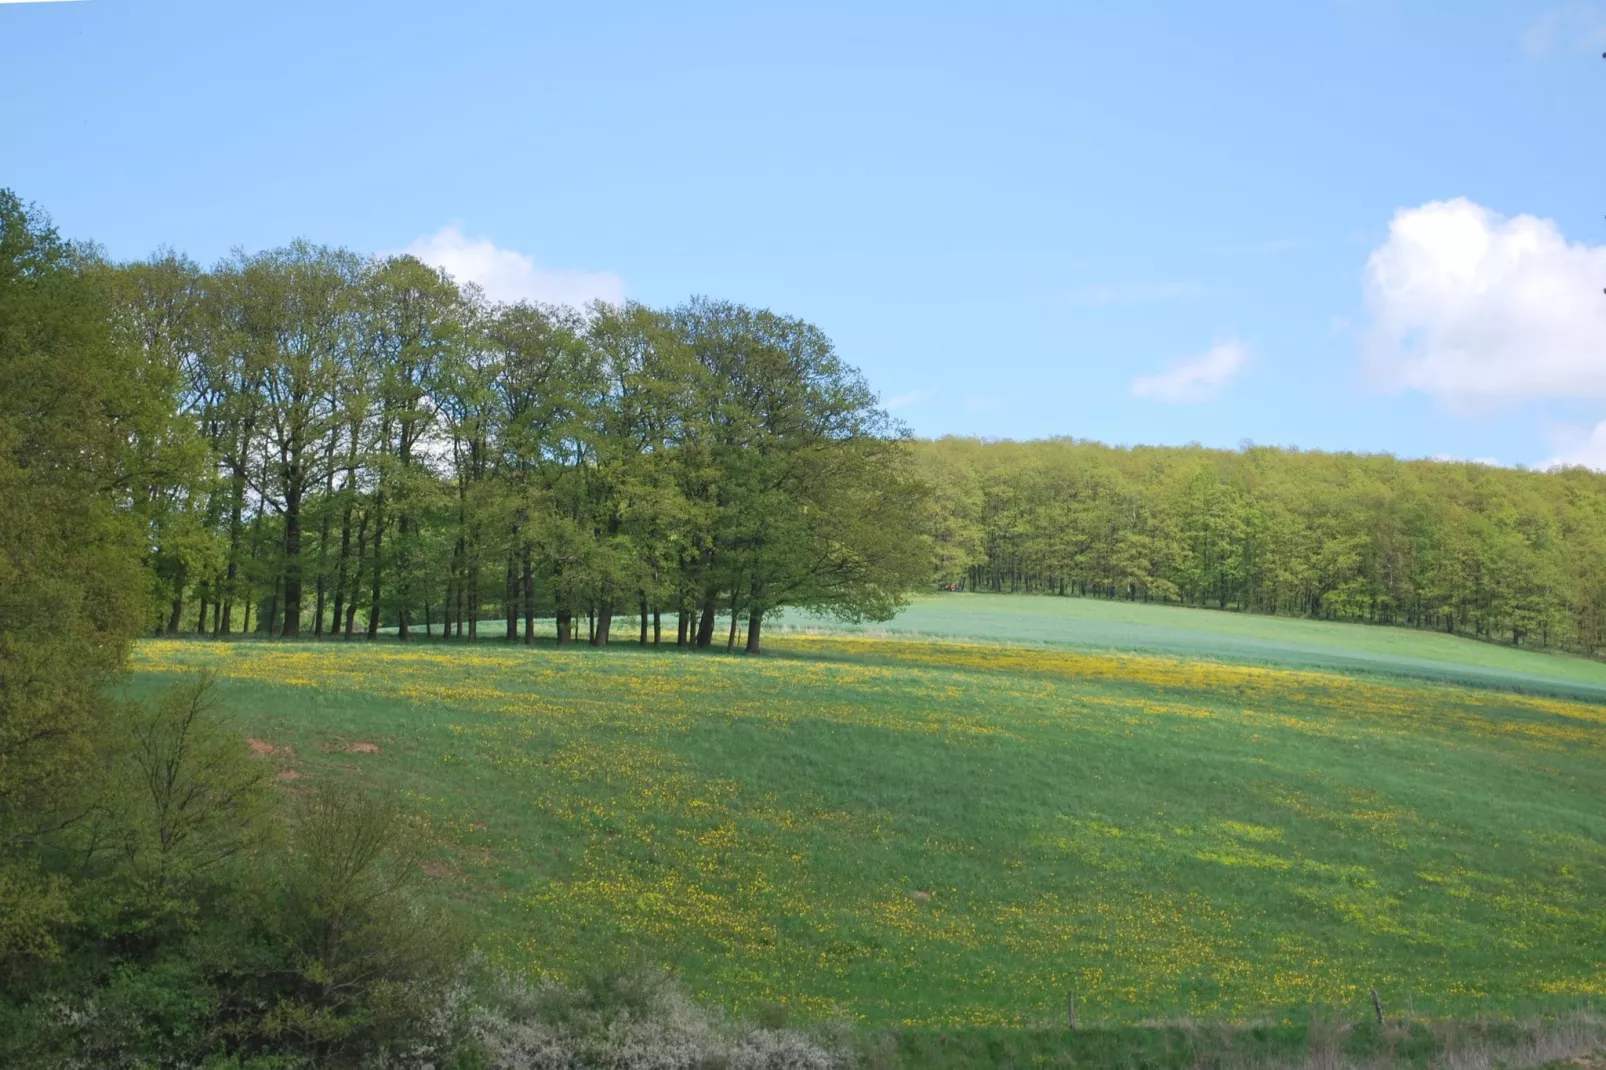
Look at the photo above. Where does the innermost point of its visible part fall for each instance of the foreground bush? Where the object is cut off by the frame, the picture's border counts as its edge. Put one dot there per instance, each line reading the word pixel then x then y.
pixel 197 913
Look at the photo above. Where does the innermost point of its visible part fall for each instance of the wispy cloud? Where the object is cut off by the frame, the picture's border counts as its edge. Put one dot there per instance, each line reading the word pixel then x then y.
pixel 1194 379
pixel 39 1
pixel 1134 293
pixel 1574 28
pixel 508 275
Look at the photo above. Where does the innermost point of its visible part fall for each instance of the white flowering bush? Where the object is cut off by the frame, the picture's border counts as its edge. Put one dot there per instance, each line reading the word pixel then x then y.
pixel 642 1022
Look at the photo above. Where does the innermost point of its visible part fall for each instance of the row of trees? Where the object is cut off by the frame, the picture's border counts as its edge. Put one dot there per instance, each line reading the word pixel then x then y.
pixel 350 444
pixel 1513 555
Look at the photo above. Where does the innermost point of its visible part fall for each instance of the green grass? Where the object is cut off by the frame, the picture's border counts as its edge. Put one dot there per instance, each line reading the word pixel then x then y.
pixel 950 835
pixel 1180 631
pixel 1098 624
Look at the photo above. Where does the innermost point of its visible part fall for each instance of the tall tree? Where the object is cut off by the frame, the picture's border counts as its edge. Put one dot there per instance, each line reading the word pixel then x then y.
pixel 414 321
pixel 73 409
pixel 302 319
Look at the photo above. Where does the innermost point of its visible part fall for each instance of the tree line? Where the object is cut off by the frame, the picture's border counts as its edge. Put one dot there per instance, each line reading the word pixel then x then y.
pixel 353 444
pixel 1501 554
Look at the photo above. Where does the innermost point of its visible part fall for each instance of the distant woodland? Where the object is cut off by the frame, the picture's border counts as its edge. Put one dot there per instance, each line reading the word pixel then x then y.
pixel 1496 553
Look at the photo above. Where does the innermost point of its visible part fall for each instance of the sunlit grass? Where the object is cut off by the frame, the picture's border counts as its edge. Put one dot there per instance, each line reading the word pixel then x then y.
pixel 946 834
pixel 1287 642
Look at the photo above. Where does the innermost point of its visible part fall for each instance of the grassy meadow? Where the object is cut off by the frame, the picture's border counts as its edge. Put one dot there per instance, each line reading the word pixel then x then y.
pixel 1183 632
pixel 1249 638
pixel 956 834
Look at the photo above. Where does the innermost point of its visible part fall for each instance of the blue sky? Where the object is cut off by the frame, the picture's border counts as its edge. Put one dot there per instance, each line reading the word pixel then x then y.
pixel 1350 224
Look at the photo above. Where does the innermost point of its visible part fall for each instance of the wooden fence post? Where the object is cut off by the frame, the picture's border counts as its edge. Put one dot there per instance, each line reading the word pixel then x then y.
pixel 1070 1008
pixel 1377 1005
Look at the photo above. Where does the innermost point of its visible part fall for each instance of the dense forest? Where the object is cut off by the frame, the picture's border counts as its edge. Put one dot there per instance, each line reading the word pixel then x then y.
pixel 1502 554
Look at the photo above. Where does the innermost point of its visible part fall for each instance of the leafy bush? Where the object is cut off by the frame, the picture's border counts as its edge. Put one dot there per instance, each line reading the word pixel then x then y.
pixel 191 915
pixel 357 962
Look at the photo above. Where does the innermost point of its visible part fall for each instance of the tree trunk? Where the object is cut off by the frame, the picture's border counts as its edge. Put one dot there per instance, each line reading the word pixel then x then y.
pixel 318 608
pixel 604 625
pixel 755 624
pixel 705 626
pixel 510 606
pixel 403 559
pixel 236 532
pixel 340 572
pixel 643 640
pixel 273 609
pixel 292 563
pixel 176 614
pixel 379 561
pixel 323 558
pixel 730 640
pixel 529 600
pixel 565 626
pixel 356 577
pixel 657 627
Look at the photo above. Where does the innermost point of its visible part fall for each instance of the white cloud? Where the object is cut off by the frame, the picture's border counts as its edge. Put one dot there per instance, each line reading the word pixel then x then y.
pixel 1574 28
pixel 1481 310
pixel 904 401
pixel 1587 450
pixel 506 275
pixel 1194 379
pixel 1134 293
